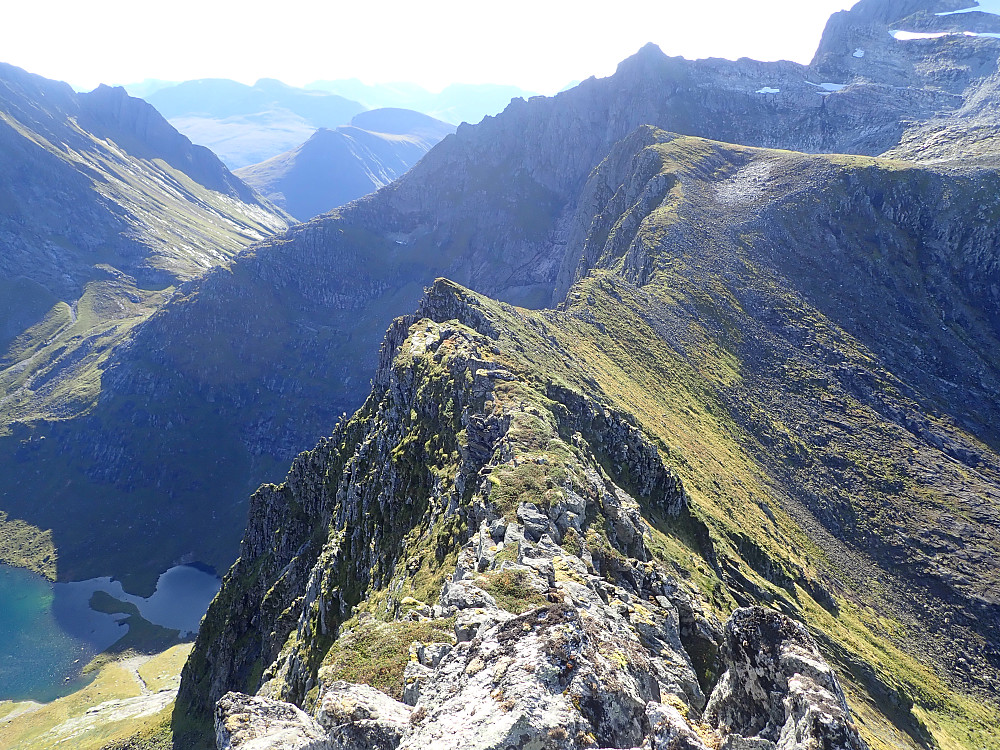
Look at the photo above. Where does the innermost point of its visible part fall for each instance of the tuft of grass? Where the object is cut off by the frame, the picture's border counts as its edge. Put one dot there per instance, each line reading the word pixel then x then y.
pixel 376 653
pixel 512 591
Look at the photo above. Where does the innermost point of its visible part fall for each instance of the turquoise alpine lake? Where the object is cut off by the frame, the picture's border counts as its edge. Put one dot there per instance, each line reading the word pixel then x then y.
pixel 48 632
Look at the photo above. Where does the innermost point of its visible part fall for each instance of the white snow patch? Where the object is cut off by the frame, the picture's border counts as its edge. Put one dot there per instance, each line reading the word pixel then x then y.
pixel 859 52
pixel 768 90
pixel 905 36
pixel 986 6
pixel 828 88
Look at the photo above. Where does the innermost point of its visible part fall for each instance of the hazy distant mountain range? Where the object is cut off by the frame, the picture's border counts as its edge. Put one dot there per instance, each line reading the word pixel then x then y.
pixel 246 125
pixel 456 104
pixel 336 166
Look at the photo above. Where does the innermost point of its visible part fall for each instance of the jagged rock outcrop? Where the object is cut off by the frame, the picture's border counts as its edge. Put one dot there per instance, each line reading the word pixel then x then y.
pixel 778 688
pixel 501 436
pixel 261 724
pixel 550 678
pixel 360 716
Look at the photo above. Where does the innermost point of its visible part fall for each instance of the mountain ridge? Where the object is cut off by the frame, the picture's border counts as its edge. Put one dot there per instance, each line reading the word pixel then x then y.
pixel 491 207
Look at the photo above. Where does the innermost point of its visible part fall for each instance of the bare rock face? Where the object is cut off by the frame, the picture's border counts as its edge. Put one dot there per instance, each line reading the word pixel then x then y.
pixel 244 722
pixel 778 688
pixel 669 730
pixel 361 716
pixel 572 675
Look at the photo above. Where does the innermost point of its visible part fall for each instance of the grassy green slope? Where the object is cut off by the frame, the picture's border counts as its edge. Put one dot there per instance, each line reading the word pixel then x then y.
pixel 916 667
pixel 816 336
pixel 127 705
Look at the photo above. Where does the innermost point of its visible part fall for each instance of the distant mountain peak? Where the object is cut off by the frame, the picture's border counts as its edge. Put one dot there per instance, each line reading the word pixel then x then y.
pixel 336 166
pixel 651 50
pixel 647 61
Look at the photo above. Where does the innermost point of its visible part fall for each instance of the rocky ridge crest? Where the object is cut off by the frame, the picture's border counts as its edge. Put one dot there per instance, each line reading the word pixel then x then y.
pixel 700 301
pixel 555 623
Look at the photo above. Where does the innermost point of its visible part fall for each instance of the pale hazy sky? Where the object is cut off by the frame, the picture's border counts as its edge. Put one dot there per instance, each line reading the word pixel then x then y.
pixel 540 45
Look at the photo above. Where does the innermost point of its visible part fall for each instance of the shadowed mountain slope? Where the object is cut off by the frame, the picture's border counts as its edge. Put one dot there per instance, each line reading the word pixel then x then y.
pixel 105 209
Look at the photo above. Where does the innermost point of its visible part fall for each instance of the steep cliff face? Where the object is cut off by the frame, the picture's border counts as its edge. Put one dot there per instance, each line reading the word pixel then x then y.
pixel 790 334
pixel 923 44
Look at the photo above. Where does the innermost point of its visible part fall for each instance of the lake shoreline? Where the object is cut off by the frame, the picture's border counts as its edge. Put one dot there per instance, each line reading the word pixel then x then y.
pixel 52 637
